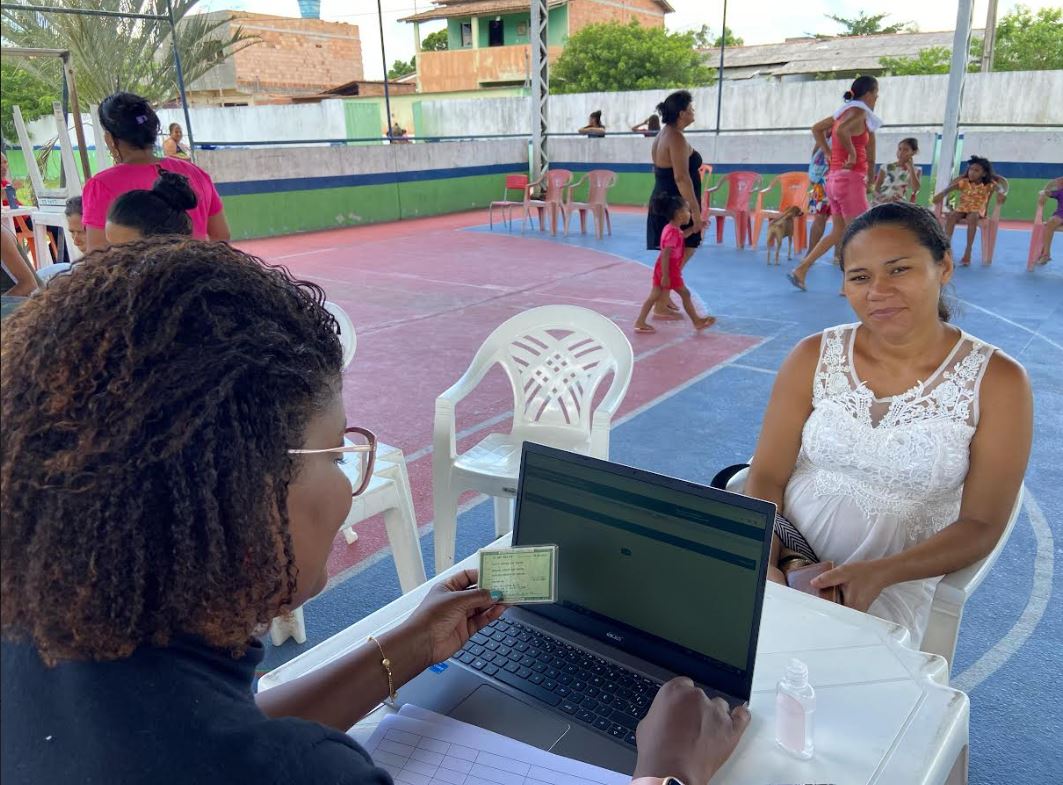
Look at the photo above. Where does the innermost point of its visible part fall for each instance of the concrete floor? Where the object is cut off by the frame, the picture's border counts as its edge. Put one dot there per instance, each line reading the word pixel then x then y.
pixel 424 294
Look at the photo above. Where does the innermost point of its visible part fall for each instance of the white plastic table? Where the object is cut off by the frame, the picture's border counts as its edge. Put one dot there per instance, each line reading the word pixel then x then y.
pixel 884 711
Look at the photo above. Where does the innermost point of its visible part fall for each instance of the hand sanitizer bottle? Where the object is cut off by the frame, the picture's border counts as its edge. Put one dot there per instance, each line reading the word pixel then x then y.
pixel 795 706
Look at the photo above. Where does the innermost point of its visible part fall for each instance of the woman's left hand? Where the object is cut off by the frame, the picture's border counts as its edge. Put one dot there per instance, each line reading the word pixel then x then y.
pixel 860 582
pixel 450 614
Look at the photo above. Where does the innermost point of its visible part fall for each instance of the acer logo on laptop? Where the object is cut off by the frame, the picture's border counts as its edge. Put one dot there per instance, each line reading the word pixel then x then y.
pixel 615 636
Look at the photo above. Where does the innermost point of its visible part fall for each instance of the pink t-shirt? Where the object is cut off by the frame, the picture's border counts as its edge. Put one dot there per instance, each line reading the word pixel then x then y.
pixel 108 185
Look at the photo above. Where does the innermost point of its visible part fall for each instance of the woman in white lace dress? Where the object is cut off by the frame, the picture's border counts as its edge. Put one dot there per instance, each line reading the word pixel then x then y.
pixel 895 445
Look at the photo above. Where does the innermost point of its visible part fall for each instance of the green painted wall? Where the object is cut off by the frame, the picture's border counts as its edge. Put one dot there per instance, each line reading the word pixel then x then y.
pixel 557 30
pixel 269 215
pixel 454 32
pixel 363 119
pixel 634 188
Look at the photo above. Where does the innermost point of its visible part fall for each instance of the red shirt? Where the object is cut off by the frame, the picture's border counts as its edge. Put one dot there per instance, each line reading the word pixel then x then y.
pixel 106 186
pixel 839 155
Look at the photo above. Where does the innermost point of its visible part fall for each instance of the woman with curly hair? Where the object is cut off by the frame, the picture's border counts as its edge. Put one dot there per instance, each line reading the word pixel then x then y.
pixel 172 422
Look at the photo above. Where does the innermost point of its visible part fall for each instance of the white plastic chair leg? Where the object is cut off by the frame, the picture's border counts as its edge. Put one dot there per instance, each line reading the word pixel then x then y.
pixel 503 515
pixel 445 527
pixel 288 625
pixel 405 547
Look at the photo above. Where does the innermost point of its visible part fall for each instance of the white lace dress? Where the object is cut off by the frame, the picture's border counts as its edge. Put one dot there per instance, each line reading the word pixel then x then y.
pixel 876 475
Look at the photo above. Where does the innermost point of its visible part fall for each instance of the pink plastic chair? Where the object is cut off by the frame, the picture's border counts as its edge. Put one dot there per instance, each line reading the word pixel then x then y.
pixel 740 188
pixel 793 192
pixel 601 180
pixel 514 182
pixel 556 180
pixel 705 172
pixel 988 224
pixel 1037 235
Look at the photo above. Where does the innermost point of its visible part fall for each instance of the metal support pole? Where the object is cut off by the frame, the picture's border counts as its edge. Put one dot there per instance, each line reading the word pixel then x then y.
pixel 719 79
pixel 540 88
pixel 181 81
pixel 75 108
pixel 990 41
pixel 961 46
pixel 384 60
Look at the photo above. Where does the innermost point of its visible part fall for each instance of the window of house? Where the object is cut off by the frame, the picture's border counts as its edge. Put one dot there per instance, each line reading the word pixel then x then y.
pixel 466 35
pixel 494 33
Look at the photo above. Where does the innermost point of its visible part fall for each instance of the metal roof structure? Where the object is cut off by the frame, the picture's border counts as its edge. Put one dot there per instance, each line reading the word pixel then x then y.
pixel 800 56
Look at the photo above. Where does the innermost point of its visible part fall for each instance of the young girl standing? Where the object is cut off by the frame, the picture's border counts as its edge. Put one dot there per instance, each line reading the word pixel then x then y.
pixel 898 181
pixel 668 272
pixel 975 186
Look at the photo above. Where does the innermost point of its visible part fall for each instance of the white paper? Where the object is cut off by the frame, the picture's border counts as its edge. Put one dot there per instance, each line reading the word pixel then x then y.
pixel 420 747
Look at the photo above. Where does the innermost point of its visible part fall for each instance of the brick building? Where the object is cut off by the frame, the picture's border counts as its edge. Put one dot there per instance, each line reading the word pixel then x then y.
pixel 489 40
pixel 293 58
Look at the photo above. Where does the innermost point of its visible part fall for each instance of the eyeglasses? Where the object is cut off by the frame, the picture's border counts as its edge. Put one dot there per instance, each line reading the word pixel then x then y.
pixel 361 442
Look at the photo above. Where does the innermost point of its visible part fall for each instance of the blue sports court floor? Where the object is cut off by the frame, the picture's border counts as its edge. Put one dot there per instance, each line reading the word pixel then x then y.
pixel 1012 636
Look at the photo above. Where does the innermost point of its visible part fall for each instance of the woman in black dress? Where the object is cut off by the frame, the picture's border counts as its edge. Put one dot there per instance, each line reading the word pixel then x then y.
pixel 675 171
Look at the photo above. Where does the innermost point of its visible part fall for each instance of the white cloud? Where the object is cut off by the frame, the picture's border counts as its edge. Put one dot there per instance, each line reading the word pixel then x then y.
pixel 756 21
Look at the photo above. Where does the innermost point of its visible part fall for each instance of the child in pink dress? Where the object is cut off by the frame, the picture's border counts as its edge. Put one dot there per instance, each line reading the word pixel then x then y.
pixel 668 272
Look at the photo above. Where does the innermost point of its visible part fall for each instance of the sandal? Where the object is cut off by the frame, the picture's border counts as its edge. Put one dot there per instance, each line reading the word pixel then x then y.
pixel 705 323
pixel 645 328
pixel 796 282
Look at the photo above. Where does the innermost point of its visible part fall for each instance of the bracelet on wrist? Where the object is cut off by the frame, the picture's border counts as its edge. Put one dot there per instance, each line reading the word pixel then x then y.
pixel 386 664
pixel 790 561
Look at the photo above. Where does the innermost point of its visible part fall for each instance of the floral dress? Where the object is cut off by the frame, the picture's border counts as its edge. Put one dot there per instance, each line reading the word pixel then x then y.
pixel 895 184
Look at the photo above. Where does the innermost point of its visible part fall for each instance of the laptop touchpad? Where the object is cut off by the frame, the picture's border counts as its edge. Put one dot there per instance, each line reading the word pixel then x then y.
pixel 495 710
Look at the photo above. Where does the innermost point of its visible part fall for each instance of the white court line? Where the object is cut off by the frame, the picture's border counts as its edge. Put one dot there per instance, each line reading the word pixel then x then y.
pixel 1043 568
pixel 308 253
pixel 1006 320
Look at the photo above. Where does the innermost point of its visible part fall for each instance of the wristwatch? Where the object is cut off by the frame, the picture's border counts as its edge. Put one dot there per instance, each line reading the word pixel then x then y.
pixel 657 781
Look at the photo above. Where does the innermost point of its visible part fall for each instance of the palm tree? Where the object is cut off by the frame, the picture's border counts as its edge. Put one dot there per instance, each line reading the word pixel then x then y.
pixel 134 55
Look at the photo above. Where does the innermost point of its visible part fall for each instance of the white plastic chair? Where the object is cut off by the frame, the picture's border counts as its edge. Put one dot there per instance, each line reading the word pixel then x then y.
pixel 388 492
pixel 953 590
pixel 555 357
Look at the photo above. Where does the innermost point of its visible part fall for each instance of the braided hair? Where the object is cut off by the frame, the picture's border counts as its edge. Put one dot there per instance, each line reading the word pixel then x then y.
pixel 149 400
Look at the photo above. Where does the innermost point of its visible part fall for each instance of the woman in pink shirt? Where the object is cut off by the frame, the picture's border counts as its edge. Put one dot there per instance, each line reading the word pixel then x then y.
pixel 130 129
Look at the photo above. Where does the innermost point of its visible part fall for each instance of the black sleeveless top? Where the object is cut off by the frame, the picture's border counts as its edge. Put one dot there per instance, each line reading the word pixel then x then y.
pixel 664 183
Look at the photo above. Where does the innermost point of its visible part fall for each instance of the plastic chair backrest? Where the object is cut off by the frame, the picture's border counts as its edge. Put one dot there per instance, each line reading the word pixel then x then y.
pixel 993 208
pixel 705 172
pixel 555 357
pixel 601 180
pixel 793 188
pixel 515 182
pixel 347 335
pixel 740 187
pixel 556 180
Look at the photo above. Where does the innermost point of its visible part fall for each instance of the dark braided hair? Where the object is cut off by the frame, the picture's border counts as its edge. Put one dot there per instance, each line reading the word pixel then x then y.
pixel 149 400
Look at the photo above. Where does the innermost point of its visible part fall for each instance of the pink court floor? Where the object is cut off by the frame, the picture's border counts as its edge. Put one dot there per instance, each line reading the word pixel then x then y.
pixel 420 315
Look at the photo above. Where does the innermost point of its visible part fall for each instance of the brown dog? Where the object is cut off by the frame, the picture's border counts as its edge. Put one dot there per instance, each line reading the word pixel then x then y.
pixel 782 226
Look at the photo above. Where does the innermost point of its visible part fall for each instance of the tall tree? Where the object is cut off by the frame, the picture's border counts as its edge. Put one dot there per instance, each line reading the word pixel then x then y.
pixel 1028 41
pixel 435 42
pixel 704 38
pixel 933 60
pixel 31 95
pixel 864 24
pixel 112 54
pixel 610 57
pixel 401 68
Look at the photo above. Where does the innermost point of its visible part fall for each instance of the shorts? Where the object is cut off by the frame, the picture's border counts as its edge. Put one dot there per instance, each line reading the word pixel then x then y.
pixel 848 193
pixel 675 277
pixel 818 203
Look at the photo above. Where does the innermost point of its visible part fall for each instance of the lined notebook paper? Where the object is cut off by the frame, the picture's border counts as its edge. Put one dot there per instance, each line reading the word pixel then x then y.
pixel 420 747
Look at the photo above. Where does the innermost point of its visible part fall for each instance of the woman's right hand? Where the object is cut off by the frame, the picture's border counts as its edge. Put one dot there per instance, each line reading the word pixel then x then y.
pixel 850 162
pixel 686 735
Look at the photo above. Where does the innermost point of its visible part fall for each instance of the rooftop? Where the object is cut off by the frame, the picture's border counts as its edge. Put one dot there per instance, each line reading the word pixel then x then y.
pixel 449 9
pixel 817 55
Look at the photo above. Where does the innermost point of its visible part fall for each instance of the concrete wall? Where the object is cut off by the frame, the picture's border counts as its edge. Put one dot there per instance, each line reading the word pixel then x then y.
pixel 1009 98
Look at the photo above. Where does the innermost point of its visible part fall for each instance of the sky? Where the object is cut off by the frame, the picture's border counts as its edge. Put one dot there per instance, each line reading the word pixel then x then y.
pixel 755 21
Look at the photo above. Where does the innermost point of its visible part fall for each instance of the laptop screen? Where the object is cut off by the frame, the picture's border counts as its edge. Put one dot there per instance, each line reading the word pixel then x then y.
pixel 657 564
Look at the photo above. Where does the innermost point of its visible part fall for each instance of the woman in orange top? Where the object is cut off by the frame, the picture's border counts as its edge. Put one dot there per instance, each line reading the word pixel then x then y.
pixel 975 186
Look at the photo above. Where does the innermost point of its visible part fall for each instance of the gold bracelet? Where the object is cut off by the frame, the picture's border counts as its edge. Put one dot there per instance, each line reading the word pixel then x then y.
pixel 387 668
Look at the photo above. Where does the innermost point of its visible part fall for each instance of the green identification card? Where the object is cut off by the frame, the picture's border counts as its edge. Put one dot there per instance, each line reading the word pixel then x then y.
pixel 523 575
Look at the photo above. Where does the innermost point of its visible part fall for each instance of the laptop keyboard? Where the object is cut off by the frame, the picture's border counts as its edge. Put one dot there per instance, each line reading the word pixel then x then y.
pixel 591 690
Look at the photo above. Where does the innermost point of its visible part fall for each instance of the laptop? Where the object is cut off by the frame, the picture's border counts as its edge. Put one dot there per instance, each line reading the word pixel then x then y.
pixel 657 577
